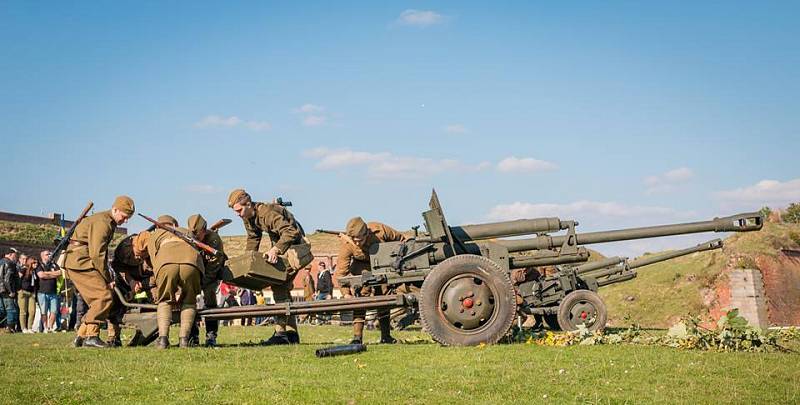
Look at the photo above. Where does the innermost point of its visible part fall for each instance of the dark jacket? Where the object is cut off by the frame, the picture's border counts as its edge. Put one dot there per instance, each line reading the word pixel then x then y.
pixel 325 284
pixel 9 278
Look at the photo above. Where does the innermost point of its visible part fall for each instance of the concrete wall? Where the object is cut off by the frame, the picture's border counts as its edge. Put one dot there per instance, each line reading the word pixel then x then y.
pixel 747 294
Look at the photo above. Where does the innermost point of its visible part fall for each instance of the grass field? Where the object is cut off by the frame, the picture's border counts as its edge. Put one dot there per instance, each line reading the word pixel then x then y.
pixel 44 369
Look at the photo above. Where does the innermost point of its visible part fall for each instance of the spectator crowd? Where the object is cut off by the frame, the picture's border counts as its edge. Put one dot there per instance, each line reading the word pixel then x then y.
pixel 34 296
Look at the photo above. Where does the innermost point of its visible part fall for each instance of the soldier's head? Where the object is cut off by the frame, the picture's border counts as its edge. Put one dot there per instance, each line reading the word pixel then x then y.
pixel 167 220
pixel 122 209
pixel 139 244
pixel 357 230
pixel 241 203
pixel 197 225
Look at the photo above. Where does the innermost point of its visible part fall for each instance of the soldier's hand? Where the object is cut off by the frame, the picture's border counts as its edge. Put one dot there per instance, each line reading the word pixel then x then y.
pixel 272 255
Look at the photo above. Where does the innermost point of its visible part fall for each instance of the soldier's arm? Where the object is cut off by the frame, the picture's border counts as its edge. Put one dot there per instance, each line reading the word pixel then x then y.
pixel 343 260
pixel 100 233
pixel 287 232
pixel 253 237
pixel 390 234
pixel 215 262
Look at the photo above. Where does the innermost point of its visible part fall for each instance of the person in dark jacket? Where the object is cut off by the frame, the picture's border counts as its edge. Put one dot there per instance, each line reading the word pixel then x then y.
pixel 324 283
pixel 9 284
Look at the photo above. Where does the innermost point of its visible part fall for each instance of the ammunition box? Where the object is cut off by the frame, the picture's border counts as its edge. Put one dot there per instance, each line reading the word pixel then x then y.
pixel 252 271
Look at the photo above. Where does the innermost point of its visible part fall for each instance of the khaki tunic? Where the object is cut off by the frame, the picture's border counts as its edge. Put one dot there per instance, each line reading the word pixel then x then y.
pixel 354 259
pixel 176 265
pixel 95 232
pixel 274 219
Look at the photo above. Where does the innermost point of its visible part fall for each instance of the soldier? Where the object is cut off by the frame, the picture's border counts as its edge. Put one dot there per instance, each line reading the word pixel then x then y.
pixel 288 239
pixel 167 220
pixel 354 258
pixel 212 275
pixel 176 264
pixel 128 260
pixel 87 266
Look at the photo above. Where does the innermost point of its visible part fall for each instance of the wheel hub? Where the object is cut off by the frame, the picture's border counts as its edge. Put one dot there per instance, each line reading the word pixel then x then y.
pixel 583 312
pixel 467 302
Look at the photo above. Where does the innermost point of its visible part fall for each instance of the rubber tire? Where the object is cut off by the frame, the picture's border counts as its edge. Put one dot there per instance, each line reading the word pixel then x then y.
pixel 551 320
pixel 582 295
pixel 498 280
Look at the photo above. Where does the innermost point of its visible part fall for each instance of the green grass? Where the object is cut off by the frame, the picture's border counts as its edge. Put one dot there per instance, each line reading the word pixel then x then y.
pixel 44 369
pixel 28 233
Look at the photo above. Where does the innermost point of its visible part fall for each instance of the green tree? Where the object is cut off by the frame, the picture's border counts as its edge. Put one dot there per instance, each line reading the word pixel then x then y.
pixel 765 211
pixel 792 213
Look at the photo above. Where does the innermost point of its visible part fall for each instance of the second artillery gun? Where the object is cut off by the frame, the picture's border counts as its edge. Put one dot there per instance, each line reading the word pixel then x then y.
pixel 471 287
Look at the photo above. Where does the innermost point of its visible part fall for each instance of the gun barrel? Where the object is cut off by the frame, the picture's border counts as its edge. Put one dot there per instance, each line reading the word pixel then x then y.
pixel 737 223
pixel 548 258
pixel 340 350
pixel 328 231
pixel 508 228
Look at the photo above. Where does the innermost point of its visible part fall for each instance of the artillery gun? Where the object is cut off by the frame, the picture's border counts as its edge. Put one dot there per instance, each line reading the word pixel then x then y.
pixel 468 284
pixel 471 287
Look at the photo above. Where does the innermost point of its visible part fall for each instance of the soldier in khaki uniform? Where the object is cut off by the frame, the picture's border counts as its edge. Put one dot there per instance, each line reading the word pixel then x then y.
pixel 176 264
pixel 211 277
pixel 353 259
pixel 87 266
pixel 130 261
pixel 284 232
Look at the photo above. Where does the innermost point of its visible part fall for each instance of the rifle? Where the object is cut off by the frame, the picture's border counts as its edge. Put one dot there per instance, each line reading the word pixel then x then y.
pixel 62 243
pixel 186 238
pixel 219 224
pixel 282 203
pixel 329 232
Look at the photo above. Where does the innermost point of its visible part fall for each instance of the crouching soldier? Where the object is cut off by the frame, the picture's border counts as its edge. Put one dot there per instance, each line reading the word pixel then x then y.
pixel 353 259
pixel 213 265
pixel 288 244
pixel 129 259
pixel 177 265
pixel 87 266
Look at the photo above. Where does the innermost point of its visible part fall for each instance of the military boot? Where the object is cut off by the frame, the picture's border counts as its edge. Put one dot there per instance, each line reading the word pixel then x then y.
pixel 94 341
pixel 294 337
pixel 278 338
pixel 183 342
pixel 162 342
pixel 78 342
pixel 386 331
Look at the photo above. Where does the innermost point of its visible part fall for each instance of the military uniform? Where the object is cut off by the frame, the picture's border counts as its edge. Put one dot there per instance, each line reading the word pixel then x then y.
pixel 87 267
pixel 176 264
pixel 284 231
pixel 213 269
pixel 128 259
pixel 353 259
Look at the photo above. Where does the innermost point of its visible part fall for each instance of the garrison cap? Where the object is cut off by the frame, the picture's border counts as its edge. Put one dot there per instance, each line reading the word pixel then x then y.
pixel 237 196
pixel 139 243
pixel 124 204
pixel 356 228
pixel 167 220
pixel 196 223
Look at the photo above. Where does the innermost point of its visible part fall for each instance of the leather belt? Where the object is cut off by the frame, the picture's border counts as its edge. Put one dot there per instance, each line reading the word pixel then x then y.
pixel 74 242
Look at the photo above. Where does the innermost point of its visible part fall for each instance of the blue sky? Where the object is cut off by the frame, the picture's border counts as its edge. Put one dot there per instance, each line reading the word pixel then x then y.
pixel 624 114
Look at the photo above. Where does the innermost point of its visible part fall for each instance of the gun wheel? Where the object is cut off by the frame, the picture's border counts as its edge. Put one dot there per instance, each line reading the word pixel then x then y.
pixel 582 307
pixel 467 300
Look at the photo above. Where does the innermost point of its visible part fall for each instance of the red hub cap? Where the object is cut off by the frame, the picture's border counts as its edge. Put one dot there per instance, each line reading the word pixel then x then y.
pixel 467 303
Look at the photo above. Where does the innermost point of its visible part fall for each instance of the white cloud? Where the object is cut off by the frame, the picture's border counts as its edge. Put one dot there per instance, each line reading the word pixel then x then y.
pixel 385 165
pixel 524 165
pixel 309 108
pixel 773 193
pixel 668 181
pixel 419 18
pixel 314 120
pixel 517 210
pixel 455 129
pixel 216 121
pixel 313 115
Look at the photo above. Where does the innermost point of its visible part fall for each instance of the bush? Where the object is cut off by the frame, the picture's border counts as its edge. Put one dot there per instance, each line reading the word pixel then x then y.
pixel 765 212
pixel 792 214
